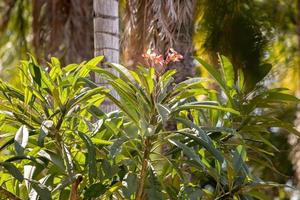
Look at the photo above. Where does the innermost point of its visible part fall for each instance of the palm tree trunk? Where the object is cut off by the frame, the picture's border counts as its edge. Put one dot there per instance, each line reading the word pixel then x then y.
pixel 106 39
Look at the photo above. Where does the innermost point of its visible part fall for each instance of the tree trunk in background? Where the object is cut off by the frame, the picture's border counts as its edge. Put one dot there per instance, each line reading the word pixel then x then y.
pixel 160 25
pixel 106 39
pixel 293 139
pixel 64 29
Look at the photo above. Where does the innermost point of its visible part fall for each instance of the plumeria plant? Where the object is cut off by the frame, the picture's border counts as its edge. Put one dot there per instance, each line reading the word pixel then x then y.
pixel 159 62
pixel 58 144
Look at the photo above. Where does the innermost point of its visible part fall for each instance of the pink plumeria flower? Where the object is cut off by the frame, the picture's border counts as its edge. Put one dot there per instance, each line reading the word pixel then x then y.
pixel 150 54
pixel 154 57
pixel 159 60
pixel 173 56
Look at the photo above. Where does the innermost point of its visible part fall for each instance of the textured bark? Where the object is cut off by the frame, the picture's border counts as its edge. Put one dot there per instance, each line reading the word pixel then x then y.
pixel 64 29
pixel 160 25
pixel 106 39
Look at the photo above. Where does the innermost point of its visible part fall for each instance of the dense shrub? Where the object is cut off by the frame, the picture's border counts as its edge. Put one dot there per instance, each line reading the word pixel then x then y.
pixel 56 143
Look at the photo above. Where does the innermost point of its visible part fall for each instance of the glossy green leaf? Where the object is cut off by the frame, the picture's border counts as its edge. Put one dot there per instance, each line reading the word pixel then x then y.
pixel 163 111
pixel 95 190
pixel 21 139
pixel 188 151
pixel 91 156
pixel 228 70
pixel 13 170
pixel 66 182
pixel 36 74
pixel 42 190
pixel 98 141
pixel 131 185
pixel 55 158
pixel 202 138
pixel 204 105
pixel 217 76
pixel 154 188
pixel 95 61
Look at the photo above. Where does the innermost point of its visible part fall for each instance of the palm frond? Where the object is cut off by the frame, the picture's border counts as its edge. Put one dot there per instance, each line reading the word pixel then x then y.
pixel 159 25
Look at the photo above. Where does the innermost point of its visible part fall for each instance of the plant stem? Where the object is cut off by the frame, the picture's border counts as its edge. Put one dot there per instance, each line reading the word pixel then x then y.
pixel 143 173
pixel 74 192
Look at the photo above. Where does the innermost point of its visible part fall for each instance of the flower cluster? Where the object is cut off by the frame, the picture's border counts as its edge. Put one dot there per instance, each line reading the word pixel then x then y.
pixel 171 56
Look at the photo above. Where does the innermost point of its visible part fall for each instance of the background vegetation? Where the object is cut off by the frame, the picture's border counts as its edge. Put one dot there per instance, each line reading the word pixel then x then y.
pixel 227 133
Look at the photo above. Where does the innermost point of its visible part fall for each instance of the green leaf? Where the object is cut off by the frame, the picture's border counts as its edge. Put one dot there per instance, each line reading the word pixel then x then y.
pixel 55 62
pixel 28 95
pixel 94 191
pixel 188 152
pixel 188 83
pixel 123 71
pixel 98 141
pixel 12 140
pixel 24 157
pixel 42 190
pixel 40 186
pixel 28 173
pixel 13 170
pixel 70 67
pixel 64 194
pixel 163 111
pixel 36 74
pixel 202 138
pixel 154 188
pixel 214 73
pixel 32 59
pixel 228 70
pixel 91 155
pixel 241 80
pixel 96 112
pixel 85 81
pixel 239 158
pixel 65 182
pixel 117 145
pixel 21 139
pixel 276 96
pixel 217 76
pixel 130 113
pixel 204 105
pixel 131 185
pixel 55 158
pixel 85 96
pixel 113 124
pixel 258 195
pixel 95 61
pixel 44 131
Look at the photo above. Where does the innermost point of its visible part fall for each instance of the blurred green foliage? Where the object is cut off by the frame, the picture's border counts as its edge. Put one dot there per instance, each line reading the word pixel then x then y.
pixel 15 35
